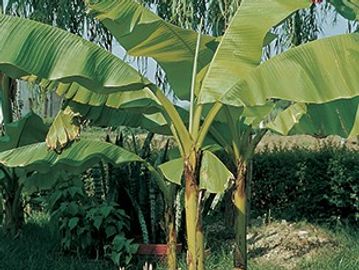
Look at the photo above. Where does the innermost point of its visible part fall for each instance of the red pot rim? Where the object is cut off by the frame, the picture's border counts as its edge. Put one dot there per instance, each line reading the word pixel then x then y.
pixel 156 249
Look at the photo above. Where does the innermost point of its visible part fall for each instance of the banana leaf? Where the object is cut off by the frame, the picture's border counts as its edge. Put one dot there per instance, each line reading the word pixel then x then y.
pixel 143 33
pixel 32 48
pixel 103 116
pixel 28 130
pixel 338 117
pixel 214 175
pixel 80 156
pixel 240 49
pixel 64 129
pixel 76 158
pixel 136 101
pixel 317 72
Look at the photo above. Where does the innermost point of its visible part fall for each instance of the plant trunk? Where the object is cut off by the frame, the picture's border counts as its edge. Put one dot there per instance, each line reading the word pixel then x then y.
pixel 195 255
pixel 240 203
pixel 5 86
pixel 13 207
pixel 1 207
pixel 171 239
pixel 229 210
pixel 249 177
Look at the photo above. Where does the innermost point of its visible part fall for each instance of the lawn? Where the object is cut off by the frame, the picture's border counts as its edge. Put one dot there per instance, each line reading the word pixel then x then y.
pixel 279 245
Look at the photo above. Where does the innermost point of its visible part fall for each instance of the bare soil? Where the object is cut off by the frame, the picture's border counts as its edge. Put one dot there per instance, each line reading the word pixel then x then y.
pixel 285 244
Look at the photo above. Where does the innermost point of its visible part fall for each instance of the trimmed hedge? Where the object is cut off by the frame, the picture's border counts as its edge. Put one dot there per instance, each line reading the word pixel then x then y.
pixel 298 183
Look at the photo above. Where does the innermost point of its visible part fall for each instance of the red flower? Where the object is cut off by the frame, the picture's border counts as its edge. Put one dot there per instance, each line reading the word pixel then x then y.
pixel 317 1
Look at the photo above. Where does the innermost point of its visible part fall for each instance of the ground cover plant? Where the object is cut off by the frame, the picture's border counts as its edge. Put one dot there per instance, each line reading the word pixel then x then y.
pixel 226 86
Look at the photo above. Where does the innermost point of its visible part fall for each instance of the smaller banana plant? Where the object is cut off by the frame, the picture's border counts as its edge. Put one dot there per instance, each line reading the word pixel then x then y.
pixel 25 154
pixel 28 130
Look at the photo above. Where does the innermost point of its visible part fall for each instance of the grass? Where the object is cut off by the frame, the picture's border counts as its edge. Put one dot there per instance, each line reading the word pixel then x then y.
pixel 38 249
pixel 340 253
pixel 344 256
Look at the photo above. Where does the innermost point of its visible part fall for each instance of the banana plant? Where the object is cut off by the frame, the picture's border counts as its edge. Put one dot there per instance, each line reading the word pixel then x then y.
pixel 30 129
pixel 225 72
pixel 232 62
pixel 36 164
pixel 246 129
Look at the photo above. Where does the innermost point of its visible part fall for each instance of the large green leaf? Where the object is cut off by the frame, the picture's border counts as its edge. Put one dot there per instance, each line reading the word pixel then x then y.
pixel 338 117
pixel 355 129
pixel 66 126
pixel 28 130
pixel 143 33
pixel 103 116
pixel 78 157
pixel 214 175
pixel 138 101
pixel 240 49
pixel 173 170
pixel 317 72
pixel 255 116
pixel 37 182
pixel 31 48
pixel 287 119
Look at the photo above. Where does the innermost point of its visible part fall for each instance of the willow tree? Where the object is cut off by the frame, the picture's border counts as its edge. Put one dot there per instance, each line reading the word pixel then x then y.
pixel 212 74
pixel 69 15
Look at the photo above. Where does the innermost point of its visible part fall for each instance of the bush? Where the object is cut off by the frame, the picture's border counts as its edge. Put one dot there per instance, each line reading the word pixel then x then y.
pixel 86 226
pixel 299 183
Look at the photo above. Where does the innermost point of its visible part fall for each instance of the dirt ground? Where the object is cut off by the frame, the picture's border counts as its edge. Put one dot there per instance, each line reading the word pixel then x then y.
pixel 285 244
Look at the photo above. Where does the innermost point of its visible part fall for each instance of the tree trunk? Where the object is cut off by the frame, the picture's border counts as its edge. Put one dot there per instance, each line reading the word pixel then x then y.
pixel 249 177
pixel 171 239
pixel 13 206
pixel 195 255
pixel 5 86
pixel 240 203
pixel 1 207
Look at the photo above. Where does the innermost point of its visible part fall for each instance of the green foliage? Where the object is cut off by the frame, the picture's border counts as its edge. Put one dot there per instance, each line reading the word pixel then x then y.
pixel 343 172
pixel 319 185
pixel 132 186
pixel 88 227
pixel 122 250
pixel 348 9
pixel 142 33
pixel 68 15
pixel 37 249
pixel 28 130
pixel 1 208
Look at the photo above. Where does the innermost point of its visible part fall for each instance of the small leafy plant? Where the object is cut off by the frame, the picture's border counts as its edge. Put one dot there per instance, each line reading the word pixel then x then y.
pixel 96 229
pixel 121 250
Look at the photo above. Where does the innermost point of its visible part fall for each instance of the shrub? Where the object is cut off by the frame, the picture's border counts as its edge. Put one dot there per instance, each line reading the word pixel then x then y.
pixel 96 229
pixel 314 184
